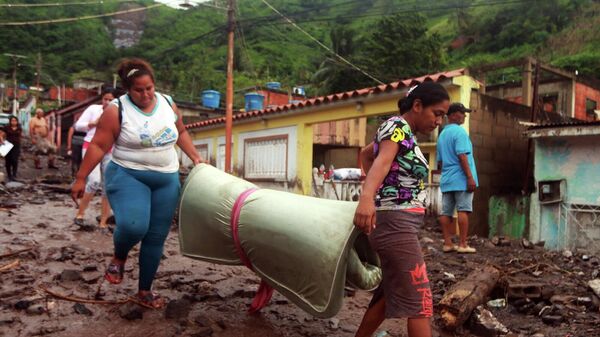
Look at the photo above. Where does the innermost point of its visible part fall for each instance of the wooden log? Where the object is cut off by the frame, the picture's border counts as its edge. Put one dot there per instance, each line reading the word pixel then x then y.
pixel 11 265
pixel 460 300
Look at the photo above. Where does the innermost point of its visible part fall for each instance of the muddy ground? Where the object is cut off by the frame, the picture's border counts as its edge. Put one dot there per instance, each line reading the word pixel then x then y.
pixel 211 300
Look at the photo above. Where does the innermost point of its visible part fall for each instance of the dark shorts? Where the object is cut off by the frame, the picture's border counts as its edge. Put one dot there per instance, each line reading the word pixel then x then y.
pixel 43 146
pixel 405 285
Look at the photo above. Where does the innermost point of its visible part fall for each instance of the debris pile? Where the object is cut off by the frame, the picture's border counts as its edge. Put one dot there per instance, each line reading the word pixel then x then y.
pixel 548 293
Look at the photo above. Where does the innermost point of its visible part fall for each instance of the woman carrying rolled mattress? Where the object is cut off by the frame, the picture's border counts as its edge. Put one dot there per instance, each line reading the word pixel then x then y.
pixel 391 210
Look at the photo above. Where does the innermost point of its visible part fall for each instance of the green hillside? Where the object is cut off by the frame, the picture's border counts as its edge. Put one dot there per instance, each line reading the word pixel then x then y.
pixel 388 39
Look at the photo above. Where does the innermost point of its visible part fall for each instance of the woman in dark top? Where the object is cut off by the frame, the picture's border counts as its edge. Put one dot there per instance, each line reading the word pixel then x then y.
pixel 12 133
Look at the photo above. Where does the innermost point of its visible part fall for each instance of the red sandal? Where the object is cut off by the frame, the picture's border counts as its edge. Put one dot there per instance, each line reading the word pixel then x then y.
pixel 150 300
pixel 114 273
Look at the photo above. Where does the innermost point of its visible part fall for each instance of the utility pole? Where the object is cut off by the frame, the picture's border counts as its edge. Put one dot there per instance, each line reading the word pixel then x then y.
pixel 15 59
pixel 38 69
pixel 2 89
pixel 534 109
pixel 229 93
pixel 38 72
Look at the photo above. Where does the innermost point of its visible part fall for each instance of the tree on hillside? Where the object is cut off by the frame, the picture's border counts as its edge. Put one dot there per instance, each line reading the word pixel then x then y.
pixel 66 48
pixel 530 22
pixel 399 47
pixel 333 74
pixel 462 18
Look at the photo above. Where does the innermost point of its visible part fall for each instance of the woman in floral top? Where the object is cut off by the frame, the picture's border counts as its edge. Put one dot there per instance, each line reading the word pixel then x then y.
pixel 391 209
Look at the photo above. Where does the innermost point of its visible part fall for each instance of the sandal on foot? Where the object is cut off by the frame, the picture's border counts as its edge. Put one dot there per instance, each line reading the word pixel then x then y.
pixel 151 300
pixel 466 250
pixel 78 221
pixel 114 273
pixel 448 249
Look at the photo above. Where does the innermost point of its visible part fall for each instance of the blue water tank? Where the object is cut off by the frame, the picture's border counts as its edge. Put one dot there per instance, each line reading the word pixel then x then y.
pixel 253 101
pixel 274 85
pixel 211 99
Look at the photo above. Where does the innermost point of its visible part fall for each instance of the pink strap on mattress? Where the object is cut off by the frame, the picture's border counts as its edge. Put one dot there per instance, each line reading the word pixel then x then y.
pixel 265 291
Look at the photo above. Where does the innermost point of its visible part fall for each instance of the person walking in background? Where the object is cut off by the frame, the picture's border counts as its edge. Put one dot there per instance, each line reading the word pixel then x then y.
pixel 75 141
pixel 142 179
pixel 40 138
pixel 391 210
pixel 458 180
pixel 87 123
pixel 12 133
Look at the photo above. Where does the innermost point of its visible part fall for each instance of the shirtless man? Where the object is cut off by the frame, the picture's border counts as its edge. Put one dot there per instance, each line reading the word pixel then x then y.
pixel 40 138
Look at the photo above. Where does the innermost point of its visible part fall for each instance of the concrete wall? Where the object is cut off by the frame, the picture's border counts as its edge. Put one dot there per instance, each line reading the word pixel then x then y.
pixel 563 89
pixel 339 157
pixel 350 132
pixel 500 152
pixel 574 160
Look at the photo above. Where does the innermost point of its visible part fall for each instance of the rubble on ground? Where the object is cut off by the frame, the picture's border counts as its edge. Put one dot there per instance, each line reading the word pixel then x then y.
pixel 46 262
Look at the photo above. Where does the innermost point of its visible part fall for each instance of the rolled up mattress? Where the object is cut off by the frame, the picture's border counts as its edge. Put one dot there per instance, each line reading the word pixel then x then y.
pixel 306 248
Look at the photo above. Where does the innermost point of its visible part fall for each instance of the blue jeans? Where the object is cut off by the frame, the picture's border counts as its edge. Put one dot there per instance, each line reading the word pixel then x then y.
pixel 143 203
pixel 462 201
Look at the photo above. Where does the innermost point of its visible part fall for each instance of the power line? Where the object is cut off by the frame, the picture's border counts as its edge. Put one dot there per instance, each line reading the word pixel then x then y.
pixel 245 47
pixel 379 14
pixel 257 20
pixel 80 18
pixel 410 8
pixel 289 14
pixel 322 45
pixel 190 41
pixel 60 4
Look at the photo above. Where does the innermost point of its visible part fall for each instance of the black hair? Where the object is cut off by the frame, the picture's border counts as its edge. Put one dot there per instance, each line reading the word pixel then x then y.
pixel 108 90
pixel 14 117
pixel 428 93
pixel 130 69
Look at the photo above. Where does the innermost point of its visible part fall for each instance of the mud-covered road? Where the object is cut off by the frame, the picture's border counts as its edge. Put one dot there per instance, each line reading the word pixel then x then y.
pixel 41 248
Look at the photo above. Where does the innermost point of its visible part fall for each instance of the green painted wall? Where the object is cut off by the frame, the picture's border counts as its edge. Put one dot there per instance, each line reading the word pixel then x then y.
pixel 508 215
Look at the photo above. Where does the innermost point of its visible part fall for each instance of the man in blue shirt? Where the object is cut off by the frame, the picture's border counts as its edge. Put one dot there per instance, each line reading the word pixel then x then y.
pixel 459 178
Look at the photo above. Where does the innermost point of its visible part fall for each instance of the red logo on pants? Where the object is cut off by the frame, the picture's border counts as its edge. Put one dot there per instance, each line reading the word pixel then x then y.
pixel 419 275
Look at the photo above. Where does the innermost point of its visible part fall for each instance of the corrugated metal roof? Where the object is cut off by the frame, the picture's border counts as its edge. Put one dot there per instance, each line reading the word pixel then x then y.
pixel 570 123
pixel 334 97
pixel 80 105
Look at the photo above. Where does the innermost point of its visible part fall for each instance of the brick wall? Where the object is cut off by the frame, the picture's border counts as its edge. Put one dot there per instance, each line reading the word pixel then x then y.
pixel 500 152
pixel 273 97
pixel 584 92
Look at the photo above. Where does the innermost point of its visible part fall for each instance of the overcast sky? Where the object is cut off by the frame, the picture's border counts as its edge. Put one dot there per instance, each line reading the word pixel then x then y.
pixel 176 3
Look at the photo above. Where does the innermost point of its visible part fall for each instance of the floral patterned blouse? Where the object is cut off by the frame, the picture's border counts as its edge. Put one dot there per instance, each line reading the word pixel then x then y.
pixel 404 185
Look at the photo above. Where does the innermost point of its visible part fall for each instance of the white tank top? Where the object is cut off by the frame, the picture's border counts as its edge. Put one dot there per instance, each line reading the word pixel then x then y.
pixel 147 140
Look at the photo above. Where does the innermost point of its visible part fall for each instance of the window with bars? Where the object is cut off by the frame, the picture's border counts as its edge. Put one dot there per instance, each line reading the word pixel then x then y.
pixel 202 150
pixel 221 156
pixel 266 157
pixel 590 107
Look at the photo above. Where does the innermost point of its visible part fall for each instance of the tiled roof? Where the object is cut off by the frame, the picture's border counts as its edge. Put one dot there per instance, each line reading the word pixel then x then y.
pixel 333 98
